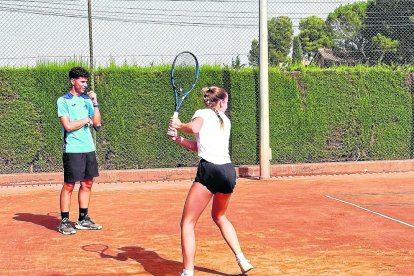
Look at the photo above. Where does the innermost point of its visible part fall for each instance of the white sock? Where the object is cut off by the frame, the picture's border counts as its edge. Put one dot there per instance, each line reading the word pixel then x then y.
pixel 187 272
pixel 240 257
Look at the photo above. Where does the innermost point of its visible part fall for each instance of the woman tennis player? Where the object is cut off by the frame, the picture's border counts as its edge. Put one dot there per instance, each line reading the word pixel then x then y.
pixel 216 176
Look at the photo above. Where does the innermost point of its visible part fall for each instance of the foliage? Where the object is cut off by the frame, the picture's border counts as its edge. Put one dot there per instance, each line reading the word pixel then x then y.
pixel 297 53
pixel 385 45
pixel 280 33
pixel 236 63
pixel 314 34
pixel 21 132
pixel 348 114
pixel 347 24
pixel 254 53
pixel 244 110
pixel 316 115
pixel 391 19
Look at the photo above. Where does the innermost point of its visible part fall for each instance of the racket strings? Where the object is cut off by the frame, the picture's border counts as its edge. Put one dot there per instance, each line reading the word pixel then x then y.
pixel 184 73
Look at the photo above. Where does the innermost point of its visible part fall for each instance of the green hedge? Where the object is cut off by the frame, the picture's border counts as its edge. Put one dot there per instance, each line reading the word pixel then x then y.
pixel 316 115
pixel 341 114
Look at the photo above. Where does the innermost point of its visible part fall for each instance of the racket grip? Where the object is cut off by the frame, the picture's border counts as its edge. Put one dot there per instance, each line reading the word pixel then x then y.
pixel 175 115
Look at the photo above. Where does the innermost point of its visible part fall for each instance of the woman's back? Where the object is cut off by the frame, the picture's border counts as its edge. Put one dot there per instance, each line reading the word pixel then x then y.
pixel 213 138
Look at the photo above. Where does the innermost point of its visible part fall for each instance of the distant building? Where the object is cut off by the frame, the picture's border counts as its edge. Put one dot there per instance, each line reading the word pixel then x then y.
pixel 326 58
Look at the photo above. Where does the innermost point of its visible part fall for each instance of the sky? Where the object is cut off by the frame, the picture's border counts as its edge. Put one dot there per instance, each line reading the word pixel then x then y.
pixel 140 32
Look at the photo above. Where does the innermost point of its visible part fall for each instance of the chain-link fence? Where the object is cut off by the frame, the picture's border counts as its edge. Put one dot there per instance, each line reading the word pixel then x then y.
pixel 133 32
pixel 223 33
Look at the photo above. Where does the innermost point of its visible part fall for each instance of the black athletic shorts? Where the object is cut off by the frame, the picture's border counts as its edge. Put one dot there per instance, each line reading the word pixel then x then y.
pixel 216 178
pixel 79 166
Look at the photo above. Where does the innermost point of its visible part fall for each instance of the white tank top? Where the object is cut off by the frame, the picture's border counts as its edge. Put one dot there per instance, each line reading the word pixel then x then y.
pixel 213 140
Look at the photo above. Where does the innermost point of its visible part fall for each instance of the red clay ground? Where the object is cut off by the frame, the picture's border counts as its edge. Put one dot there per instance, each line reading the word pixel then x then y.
pixel 287 226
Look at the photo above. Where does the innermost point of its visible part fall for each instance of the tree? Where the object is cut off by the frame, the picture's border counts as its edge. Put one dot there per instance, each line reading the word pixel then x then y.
pixel 280 33
pixel 254 53
pixel 347 24
pixel 236 63
pixel 280 39
pixel 391 19
pixel 297 53
pixel 314 34
pixel 385 45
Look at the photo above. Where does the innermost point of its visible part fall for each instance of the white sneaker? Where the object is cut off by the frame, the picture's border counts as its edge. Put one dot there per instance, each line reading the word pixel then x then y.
pixel 245 265
pixel 186 274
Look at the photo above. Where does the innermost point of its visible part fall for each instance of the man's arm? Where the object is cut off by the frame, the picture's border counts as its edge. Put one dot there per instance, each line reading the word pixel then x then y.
pixel 96 119
pixel 70 126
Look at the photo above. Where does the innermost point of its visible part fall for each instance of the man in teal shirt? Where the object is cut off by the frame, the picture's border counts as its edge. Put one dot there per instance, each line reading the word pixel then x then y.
pixel 77 113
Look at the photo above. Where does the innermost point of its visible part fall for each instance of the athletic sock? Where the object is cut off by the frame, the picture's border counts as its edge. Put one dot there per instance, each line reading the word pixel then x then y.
pixel 187 272
pixel 240 257
pixel 64 215
pixel 82 213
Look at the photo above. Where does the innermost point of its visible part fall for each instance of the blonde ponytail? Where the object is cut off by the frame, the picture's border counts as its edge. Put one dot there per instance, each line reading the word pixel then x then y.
pixel 221 119
pixel 211 96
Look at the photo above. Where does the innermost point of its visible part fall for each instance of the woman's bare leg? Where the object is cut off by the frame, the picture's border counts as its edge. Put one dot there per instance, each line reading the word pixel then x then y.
pixel 218 213
pixel 197 200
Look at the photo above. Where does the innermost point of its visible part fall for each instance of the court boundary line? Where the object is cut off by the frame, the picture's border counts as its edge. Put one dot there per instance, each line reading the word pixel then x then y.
pixel 370 211
pixel 380 194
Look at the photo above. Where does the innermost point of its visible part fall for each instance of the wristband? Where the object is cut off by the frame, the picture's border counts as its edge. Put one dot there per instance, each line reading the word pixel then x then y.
pixel 96 105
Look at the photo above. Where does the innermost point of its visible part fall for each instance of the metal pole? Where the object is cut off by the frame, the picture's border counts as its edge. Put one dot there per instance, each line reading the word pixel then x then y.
pixel 265 151
pixel 91 65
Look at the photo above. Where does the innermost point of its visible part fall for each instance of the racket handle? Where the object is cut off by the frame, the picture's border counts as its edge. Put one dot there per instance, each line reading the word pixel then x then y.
pixel 175 115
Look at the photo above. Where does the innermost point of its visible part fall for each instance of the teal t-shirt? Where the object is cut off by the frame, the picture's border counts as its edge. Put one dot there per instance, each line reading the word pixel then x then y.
pixel 76 108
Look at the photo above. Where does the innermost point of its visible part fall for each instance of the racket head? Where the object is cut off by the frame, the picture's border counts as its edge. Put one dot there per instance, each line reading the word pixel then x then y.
pixel 184 75
pixel 97 248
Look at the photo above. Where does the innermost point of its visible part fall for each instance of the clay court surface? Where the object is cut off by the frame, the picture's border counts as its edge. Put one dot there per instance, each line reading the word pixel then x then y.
pixel 287 226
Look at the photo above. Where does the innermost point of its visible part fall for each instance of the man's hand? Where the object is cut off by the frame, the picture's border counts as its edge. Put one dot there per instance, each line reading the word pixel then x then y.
pixel 89 123
pixel 92 95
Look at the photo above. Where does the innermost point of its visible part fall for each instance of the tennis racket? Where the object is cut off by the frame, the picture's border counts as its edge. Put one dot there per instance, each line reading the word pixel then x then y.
pixel 97 248
pixel 184 75
pixel 104 251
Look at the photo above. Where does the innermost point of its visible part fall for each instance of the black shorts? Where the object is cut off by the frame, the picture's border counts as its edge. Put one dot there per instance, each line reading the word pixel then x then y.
pixel 216 178
pixel 79 166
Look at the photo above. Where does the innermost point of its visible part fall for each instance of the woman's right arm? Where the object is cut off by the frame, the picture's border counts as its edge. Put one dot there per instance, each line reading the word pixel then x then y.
pixel 187 143
pixel 192 127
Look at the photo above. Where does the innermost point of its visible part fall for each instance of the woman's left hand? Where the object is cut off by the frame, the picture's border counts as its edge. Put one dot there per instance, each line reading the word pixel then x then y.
pixel 175 123
pixel 172 133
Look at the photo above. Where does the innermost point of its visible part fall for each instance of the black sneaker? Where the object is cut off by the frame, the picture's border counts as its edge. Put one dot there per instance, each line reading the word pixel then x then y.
pixel 87 224
pixel 66 228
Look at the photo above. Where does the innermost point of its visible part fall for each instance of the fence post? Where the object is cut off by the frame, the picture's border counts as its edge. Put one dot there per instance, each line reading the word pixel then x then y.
pixel 91 63
pixel 91 66
pixel 265 151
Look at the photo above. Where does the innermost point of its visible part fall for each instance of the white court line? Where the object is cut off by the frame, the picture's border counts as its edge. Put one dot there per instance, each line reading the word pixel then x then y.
pixel 368 210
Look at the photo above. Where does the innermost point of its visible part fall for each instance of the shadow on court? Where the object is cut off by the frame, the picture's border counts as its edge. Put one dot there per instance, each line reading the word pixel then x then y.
pixel 49 221
pixel 150 260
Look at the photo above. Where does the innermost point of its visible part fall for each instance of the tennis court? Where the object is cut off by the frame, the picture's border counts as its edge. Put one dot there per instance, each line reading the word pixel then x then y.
pixel 360 224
